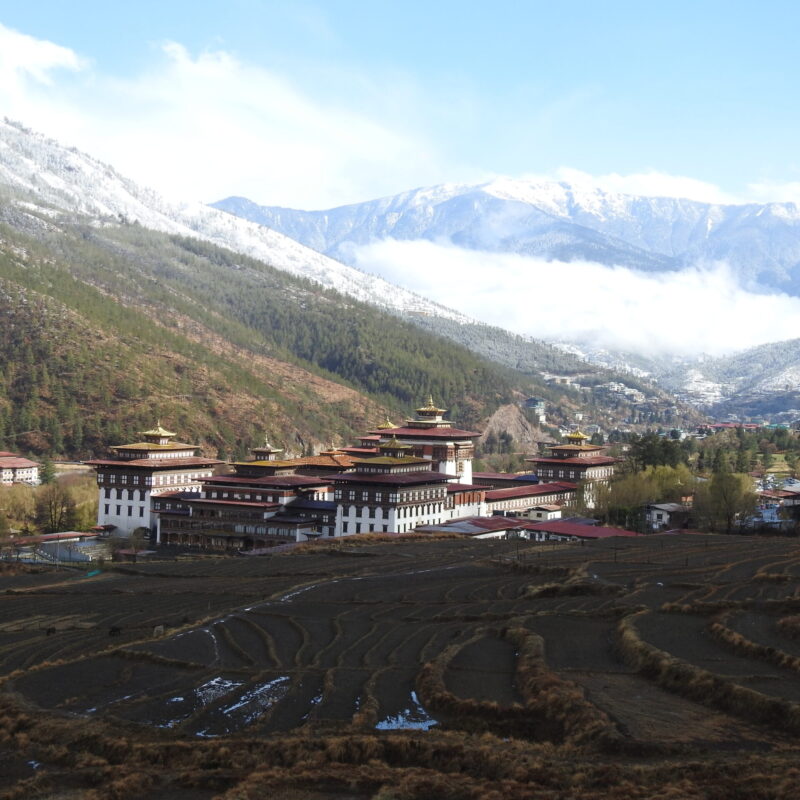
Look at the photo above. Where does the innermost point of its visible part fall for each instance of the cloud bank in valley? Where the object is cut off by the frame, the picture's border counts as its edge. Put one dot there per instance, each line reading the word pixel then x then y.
pixel 701 309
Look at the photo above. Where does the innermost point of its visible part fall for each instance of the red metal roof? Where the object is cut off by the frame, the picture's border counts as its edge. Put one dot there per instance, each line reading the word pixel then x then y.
pixel 269 481
pixel 16 462
pixel 390 479
pixel 154 463
pixel 588 461
pixel 430 433
pixel 534 490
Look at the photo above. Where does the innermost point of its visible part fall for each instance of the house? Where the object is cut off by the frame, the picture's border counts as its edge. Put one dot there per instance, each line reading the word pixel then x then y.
pixel 16 469
pixel 565 531
pixel 666 516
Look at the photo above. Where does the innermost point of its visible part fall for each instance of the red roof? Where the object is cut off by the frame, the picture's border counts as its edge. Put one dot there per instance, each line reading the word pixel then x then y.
pixel 16 462
pixel 532 490
pixel 453 488
pixel 393 479
pixel 269 481
pixel 429 433
pixel 589 461
pixel 215 502
pixel 154 463
pixel 581 531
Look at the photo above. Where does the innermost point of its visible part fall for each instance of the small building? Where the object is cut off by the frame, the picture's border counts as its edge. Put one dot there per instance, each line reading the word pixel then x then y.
pixel 16 469
pixel 564 531
pixel 667 516
pixel 545 512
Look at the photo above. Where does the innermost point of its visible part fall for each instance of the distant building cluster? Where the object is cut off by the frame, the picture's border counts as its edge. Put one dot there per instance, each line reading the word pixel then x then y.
pixel 398 478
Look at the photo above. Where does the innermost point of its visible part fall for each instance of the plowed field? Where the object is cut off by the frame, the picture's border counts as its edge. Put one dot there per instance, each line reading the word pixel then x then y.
pixel 344 671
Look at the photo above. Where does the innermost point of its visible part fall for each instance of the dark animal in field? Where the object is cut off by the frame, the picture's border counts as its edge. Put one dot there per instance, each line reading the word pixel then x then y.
pixel 50 631
pixel 114 631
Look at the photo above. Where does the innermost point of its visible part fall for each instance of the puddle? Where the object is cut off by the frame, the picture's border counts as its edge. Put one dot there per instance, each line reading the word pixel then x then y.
pixel 413 718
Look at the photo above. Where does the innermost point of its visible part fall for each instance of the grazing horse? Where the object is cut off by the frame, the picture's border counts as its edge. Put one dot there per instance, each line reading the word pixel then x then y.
pixel 114 631
pixel 50 631
pixel 158 630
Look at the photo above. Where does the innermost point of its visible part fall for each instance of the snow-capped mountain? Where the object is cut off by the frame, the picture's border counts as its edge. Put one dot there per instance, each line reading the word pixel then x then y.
pixel 562 221
pixel 49 175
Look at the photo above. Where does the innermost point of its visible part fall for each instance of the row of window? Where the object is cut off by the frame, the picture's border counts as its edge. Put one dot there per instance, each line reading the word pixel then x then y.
pixel 119 510
pixel 119 494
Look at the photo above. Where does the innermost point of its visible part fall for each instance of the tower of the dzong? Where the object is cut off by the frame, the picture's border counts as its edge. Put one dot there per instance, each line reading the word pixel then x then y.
pixel 431 436
pixel 137 471
pixel 576 461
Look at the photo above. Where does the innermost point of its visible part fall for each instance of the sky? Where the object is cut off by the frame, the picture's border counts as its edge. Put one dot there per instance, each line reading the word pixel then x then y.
pixel 317 104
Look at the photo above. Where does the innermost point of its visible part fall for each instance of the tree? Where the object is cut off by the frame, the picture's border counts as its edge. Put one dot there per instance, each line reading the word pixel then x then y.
pixel 723 500
pixel 47 472
pixel 55 508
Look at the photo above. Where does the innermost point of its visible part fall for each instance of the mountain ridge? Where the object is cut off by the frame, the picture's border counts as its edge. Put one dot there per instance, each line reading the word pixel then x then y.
pixel 557 220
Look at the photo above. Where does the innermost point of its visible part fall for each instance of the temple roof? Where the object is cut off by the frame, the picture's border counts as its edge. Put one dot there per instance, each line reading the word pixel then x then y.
pixel 159 431
pixel 430 409
pixel 386 426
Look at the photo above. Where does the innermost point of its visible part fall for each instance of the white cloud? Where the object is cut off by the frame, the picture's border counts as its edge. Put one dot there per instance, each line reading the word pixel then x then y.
pixel 691 311
pixel 23 57
pixel 650 184
pixel 774 192
pixel 206 126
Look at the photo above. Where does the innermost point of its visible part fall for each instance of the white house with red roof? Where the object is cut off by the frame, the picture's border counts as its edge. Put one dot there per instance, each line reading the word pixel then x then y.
pixel 16 469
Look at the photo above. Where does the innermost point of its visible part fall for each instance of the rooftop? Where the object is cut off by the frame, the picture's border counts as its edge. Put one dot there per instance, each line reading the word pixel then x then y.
pixel 533 490
pixel 393 479
pixel 432 433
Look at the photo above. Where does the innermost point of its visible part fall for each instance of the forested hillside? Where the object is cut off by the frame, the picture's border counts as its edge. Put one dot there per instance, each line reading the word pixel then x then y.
pixel 109 326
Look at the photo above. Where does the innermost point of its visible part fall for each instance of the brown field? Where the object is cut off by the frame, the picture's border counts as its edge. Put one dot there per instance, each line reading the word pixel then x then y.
pixel 661 667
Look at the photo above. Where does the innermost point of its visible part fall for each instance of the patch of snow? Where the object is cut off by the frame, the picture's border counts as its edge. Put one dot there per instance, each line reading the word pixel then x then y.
pixel 415 717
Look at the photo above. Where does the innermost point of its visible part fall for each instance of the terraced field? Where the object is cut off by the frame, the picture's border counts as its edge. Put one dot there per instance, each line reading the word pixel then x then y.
pixel 467 662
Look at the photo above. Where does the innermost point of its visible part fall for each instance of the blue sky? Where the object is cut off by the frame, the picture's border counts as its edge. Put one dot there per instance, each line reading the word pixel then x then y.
pixel 369 98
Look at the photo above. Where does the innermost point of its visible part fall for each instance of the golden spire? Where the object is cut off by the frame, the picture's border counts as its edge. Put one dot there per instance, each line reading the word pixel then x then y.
pixel 387 425
pixel 430 408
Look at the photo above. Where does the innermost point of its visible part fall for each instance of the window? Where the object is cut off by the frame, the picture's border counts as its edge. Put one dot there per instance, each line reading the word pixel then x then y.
pixel 107 493
pixel 119 510
pixel 105 508
pixel 141 511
